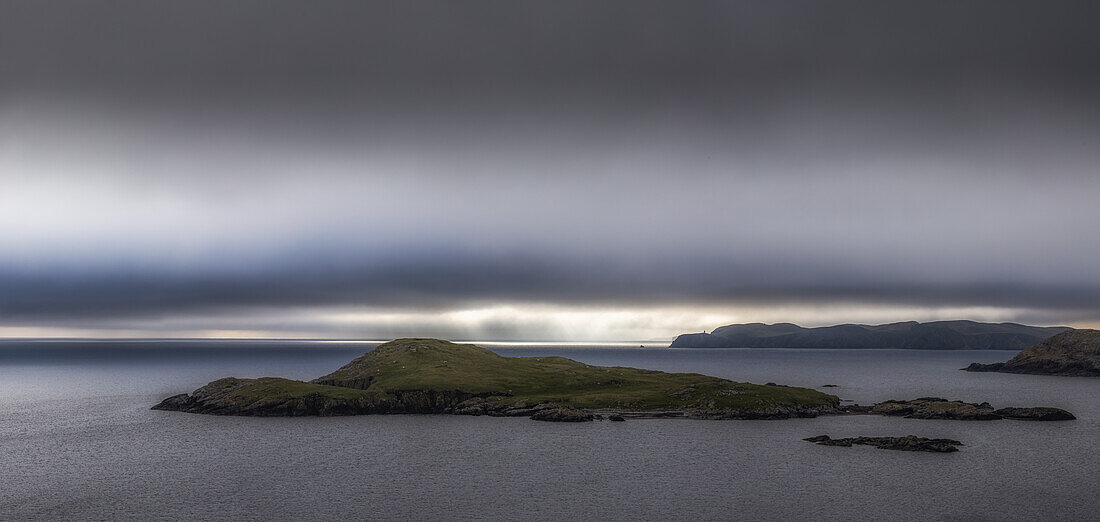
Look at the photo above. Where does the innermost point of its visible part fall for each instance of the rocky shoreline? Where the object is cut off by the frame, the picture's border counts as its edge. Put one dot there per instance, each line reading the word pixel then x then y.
pixel 491 406
pixel 211 399
pixel 922 408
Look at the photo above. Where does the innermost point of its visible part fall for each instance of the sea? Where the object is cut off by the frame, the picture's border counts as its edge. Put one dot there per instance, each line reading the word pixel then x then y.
pixel 79 442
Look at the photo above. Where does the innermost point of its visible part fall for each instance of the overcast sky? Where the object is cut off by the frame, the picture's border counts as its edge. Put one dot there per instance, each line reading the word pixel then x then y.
pixel 544 170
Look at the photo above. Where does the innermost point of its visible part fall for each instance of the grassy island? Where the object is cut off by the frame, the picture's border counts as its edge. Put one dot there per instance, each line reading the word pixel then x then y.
pixel 434 376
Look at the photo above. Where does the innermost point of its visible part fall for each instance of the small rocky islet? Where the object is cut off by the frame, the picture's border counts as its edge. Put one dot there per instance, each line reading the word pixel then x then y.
pixel 944 409
pixel 906 443
pixel 431 376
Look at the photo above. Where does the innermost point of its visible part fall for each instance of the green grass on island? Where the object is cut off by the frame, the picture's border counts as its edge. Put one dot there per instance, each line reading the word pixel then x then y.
pixel 417 365
pixel 433 376
pixel 279 388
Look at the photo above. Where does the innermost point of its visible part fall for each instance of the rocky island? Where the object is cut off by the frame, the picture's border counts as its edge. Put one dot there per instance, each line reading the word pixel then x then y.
pixel 434 376
pixel 1071 353
pixel 944 409
pixel 911 335
pixel 907 443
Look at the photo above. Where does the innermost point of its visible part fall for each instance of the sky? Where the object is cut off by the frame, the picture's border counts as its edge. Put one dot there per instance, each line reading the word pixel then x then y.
pixel 571 171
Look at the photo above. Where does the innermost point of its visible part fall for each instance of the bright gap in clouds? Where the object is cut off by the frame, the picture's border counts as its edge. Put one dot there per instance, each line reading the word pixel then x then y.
pixel 503 322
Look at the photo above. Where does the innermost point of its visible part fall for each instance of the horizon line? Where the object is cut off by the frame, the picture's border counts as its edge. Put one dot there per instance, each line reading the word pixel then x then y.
pixel 324 340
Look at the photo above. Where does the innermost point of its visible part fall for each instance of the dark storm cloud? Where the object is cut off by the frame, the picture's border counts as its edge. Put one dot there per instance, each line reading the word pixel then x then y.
pixel 631 47
pixel 173 157
pixel 459 281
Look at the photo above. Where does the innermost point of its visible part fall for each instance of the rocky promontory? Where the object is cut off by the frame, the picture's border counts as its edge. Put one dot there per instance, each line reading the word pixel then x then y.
pixel 275 397
pixel 1071 353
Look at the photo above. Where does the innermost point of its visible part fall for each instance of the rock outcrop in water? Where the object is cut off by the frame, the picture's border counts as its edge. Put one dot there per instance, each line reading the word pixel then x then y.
pixel 1072 353
pixel 943 409
pixel 907 443
pixel 936 408
pixel 433 376
pixel 1038 414
pixel 938 335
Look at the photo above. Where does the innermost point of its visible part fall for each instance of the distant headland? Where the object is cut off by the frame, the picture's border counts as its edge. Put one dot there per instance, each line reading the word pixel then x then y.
pixel 911 335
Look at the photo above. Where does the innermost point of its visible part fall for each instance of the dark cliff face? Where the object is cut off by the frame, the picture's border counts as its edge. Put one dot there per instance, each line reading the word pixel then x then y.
pixel 940 335
pixel 1071 353
pixel 231 396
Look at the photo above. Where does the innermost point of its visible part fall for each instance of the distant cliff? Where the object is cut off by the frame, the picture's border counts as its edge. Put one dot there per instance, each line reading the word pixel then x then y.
pixel 1073 353
pixel 938 335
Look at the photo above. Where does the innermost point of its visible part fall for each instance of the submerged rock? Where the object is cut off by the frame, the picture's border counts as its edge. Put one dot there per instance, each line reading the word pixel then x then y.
pixel 907 443
pixel 1039 414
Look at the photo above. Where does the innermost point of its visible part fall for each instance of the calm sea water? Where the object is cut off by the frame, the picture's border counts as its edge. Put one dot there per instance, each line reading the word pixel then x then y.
pixel 78 442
